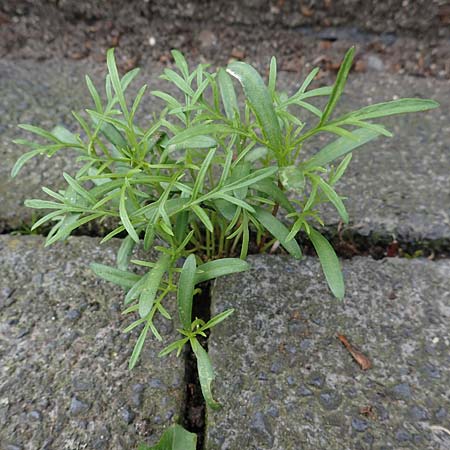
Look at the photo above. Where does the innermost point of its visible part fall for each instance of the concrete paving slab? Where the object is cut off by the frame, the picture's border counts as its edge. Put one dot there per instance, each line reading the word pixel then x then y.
pixel 64 380
pixel 395 186
pixel 285 380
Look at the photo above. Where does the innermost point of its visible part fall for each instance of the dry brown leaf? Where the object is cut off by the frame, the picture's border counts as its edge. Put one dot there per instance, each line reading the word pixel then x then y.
pixel 361 359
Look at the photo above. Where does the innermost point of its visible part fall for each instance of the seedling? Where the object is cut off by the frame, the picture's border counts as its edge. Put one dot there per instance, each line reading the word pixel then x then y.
pixel 203 182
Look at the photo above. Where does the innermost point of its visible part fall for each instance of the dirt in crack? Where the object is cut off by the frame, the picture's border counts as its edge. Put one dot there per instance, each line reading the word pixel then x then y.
pixel 195 407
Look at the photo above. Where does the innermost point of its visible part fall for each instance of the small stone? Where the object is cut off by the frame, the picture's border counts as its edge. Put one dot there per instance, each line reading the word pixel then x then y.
pixel 304 391
pixel 128 415
pixel 273 411
pixel 207 39
pixel 441 413
pixel 78 407
pixel 262 376
pixel 402 436
pixel 156 384
pixel 136 399
pixel 138 388
pixel 262 428
pixel 14 447
pixel 276 367
pixel 419 413
pixel 330 400
pixel 316 380
pixel 432 371
pixel 359 424
pixel 402 391
pixel 35 416
pixel 73 315
pixel 375 63
pixel 290 380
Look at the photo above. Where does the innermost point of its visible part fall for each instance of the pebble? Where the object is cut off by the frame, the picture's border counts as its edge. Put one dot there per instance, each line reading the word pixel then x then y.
pixel 402 436
pixel 330 400
pixel 304 391
pixel 73 315
pixel 35 416
pixel 359 424
pixel 128 415
pixel 78 407
pixel 419 413
pixel 375 63
pixel 402 391
pixel 261 427
pixel 316 380
pixel 441 413
pixel 207 39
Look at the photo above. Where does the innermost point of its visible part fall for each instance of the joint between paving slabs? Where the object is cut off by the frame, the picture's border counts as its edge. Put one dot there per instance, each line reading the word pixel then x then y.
pixel 347 243
pixel 194 415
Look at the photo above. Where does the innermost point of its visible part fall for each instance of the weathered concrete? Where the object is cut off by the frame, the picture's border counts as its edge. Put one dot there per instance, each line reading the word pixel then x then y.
pixel 287 383
pixel 394 186
pixel 64 382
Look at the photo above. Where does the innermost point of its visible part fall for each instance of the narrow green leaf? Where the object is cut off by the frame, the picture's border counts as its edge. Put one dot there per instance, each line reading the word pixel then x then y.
pixel 116 276
pixel 340 170
pixel 178 81
pixel 218 318
pixel 124 215
pixel 135 290
pixel 330 263
pixel 339 85
pixel 272 75
pixel 401 106
pixel 228 94
pixel 94 94
pixel 220 267
pixel 149 236
pixel 64 135
pixel 151 285
pixel 261 101
pixel 201 214
pixel 340 147
pixel 185 291
pixel 138 347
pixel 79 189
pixel 194 142
pixel 177 345
pixel 113 135
pixel 278 230
pixel 124 253
pixel 198 185
pixel 39 131
pixel 23 159
pixel 234 201
pixel 275 193
pixel 197 130
pixel 205 373
pixel 334 199
pixel 115 80
pixel 181 62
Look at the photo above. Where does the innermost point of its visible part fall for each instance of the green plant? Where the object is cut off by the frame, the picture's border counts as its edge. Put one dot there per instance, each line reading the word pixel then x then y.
pixel 204 181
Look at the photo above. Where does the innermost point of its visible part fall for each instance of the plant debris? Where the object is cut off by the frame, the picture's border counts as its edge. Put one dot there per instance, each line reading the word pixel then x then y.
pixel 361 359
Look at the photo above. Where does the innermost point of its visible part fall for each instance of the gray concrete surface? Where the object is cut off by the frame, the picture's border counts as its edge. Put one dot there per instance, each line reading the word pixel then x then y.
pixel 286 382
pixel 394 186
pixel 64 379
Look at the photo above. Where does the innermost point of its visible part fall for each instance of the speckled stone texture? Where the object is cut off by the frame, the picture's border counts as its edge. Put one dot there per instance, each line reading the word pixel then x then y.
pixel 285 380
pixel 64 381
pixel 394 186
